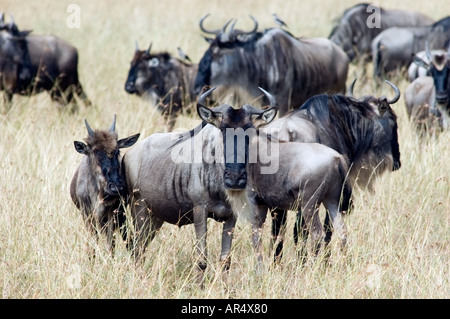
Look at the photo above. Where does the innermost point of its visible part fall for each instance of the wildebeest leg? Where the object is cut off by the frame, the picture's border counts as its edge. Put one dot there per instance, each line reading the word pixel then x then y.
pixel 301 229
pixel 145 225
pixel 259 213
pixel 109 228
pixel 278 231
pixel 7 101
pixel 328 228
pixel 310 214
pixel 200 224
pixel 89 221
pixel 80 92
pixel 337 220
pixel 227 237
pixel 56 96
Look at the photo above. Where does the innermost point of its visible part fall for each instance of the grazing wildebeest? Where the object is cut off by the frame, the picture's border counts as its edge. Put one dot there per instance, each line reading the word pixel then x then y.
pixel 167 81
pixel 14 66
pixel 393 48
pixel 166 184
pixel 364 131
pixel 98 185
pixel 292 69
pixel 51 64
pixel 427 98
pixel 356 28
pixel 307 174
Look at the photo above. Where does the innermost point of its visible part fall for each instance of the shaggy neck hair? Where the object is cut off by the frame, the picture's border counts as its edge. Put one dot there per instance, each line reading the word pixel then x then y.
pixel 349 126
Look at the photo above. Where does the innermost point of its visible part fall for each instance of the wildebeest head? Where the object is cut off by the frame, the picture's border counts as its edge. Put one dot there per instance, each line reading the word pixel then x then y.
pixel 218 54
pixel 103 149
pixel 439 70
pixel 14 57
pixel 139 78
pixel 147 73
pixel 387 118
pixel 352 33
pixel 237 127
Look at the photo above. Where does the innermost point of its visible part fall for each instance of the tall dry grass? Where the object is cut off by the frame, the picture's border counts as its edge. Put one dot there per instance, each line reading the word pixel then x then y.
pixel 399 239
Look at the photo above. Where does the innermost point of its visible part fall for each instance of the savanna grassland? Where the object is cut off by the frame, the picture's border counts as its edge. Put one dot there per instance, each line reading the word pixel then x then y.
pixel 399 238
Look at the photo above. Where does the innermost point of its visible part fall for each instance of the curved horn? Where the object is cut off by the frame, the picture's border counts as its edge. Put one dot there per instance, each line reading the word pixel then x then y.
pixel 90 131
pixel 136 46
pixel 2 19
pixel 113 125
pixel 231 27
pixel 149 47
pixel 350 88
pixel 12 22
pixel 216 32
pixel 226 25
pixel 270 97
pixel 397 93
pixel 427 51
pixel 203 97
pixel 252 31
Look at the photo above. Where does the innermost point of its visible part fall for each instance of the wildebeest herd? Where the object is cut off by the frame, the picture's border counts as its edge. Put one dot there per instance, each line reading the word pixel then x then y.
pixel 245 162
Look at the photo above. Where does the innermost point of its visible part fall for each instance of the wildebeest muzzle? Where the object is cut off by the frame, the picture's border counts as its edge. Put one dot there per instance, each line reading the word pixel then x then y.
pixel 235 177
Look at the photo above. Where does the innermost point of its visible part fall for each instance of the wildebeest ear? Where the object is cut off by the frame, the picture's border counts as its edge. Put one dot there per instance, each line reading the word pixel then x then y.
pixel 24 33
pixel 420 62
pixel 209 40
pixel 383 106
pixel 128 141
pixel 80 147
pixel 21 35
pixel 208 115
pixel 265 117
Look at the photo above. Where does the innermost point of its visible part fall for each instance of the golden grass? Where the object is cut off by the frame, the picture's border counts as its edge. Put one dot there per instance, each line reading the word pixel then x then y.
pixel 399 239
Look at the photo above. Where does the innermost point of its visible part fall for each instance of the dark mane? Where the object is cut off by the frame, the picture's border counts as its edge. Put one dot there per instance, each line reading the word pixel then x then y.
pixel 443 23
pixel 346 123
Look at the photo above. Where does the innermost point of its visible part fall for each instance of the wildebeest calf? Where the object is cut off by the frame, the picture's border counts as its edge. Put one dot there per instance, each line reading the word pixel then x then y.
pixel 98 185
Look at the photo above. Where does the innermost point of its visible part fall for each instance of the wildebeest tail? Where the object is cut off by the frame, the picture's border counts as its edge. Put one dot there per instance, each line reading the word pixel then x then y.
pixel 346 193
pixel 377 61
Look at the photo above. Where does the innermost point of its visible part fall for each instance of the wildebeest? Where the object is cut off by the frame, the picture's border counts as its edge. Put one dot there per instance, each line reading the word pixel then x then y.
pixel 307 175
pixel 98 185
pixel 290 68
pixel 14 68
pixel 428 98
pixel 50 63
pixel 167 81
pixel 363 130
pixel 393 48
pixel 358 26
pixel 168 182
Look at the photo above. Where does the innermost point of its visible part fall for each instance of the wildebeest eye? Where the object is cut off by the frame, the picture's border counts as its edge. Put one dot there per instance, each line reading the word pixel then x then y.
pixel 153 62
